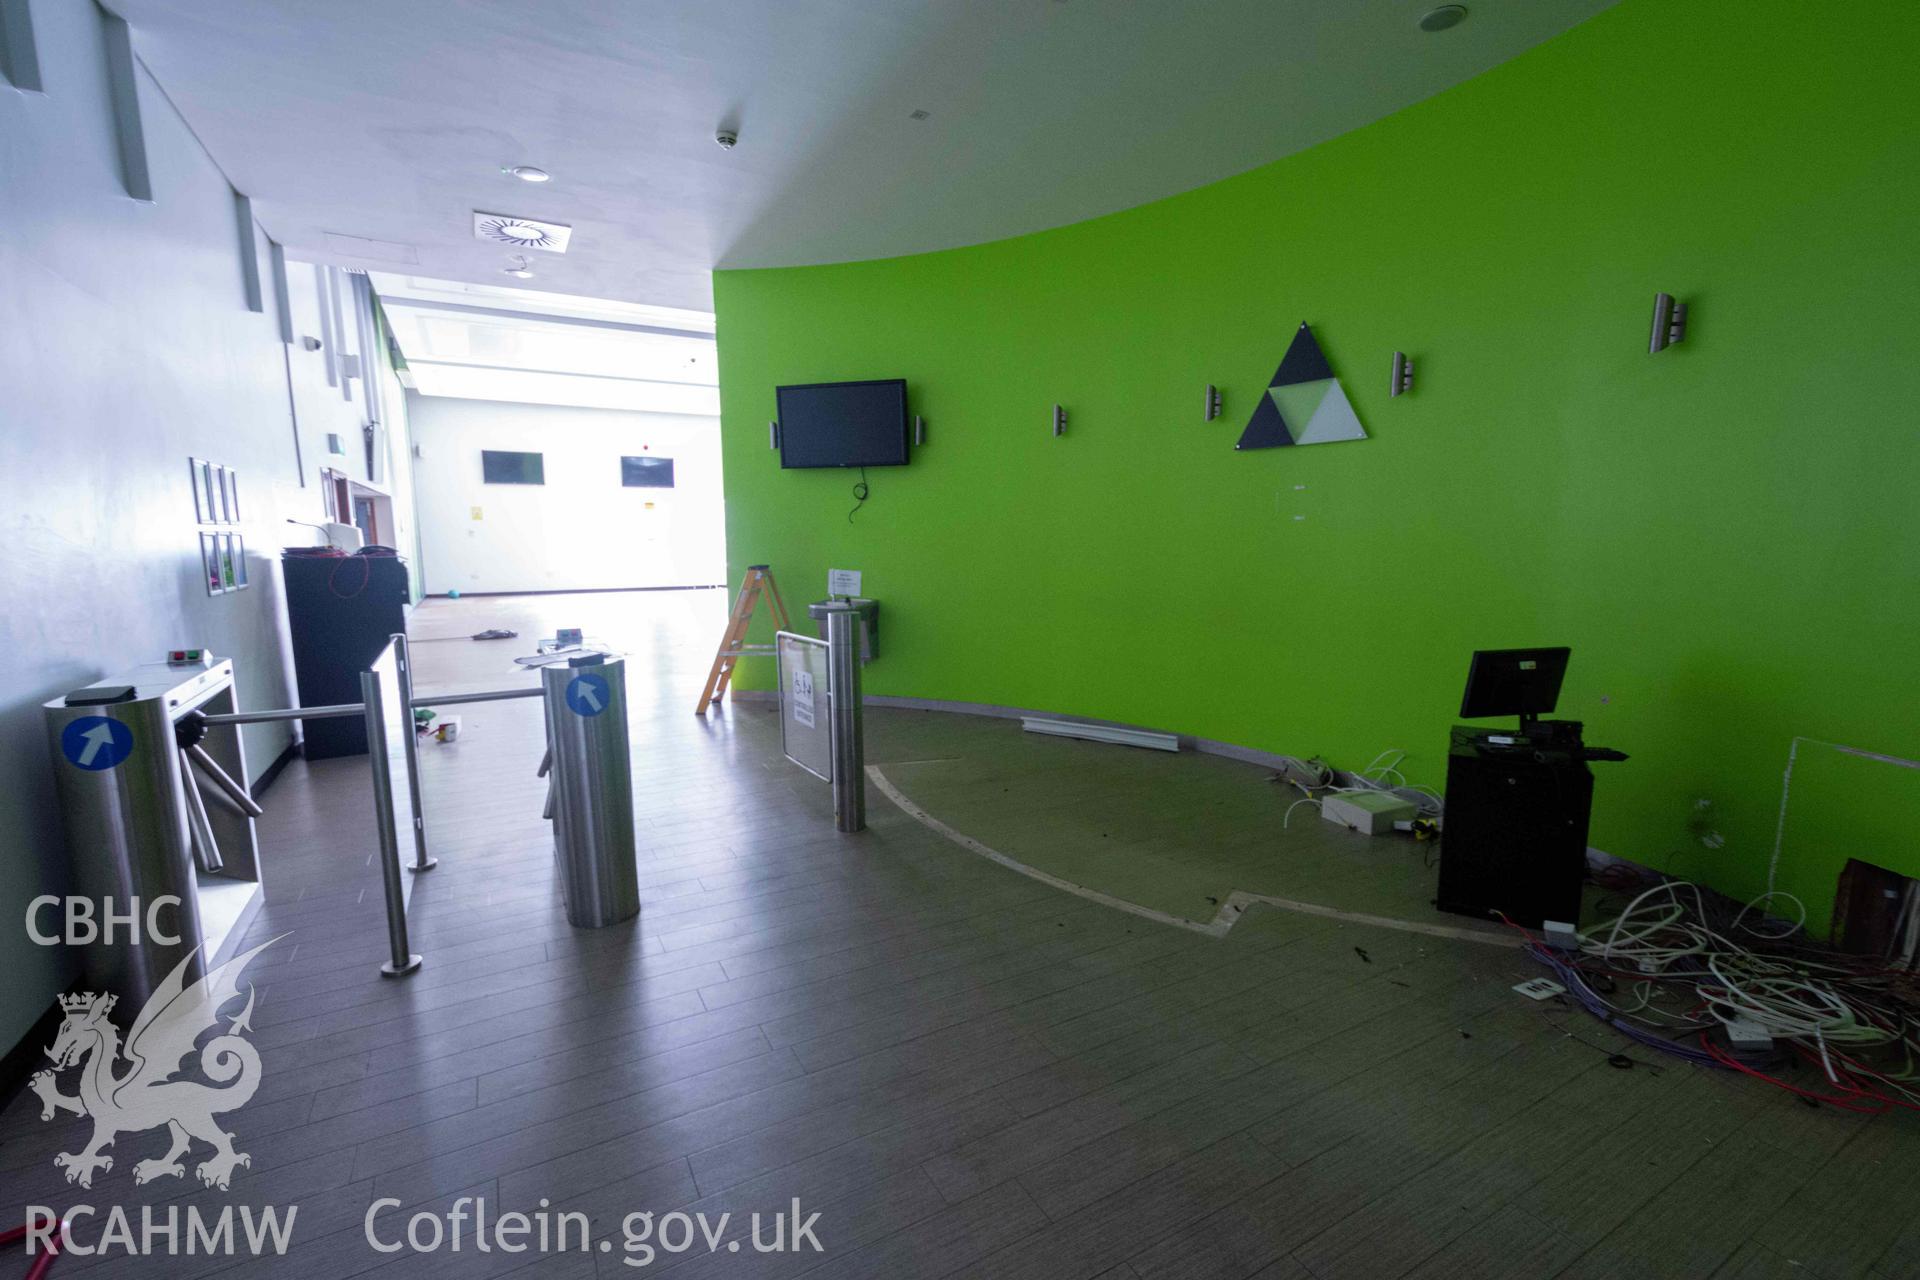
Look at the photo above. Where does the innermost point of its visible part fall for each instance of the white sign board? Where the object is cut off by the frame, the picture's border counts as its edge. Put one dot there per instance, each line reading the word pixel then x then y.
pixel 803 698
pixel 843 582
pixel 804 736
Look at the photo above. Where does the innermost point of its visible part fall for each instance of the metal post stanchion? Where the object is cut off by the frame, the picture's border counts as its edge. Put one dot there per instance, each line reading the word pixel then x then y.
pixel 591 796
pixel 848 726
pixel 421 862
pixel 374 698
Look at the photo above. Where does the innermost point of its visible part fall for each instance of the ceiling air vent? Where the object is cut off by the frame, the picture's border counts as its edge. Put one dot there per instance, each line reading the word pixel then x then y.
pixel 522 233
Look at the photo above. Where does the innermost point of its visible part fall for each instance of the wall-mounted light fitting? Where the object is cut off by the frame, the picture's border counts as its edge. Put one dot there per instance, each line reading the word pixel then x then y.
pixel 1213 402
pixel 311 343
pixel 1402 374
pixel 919 429
pixel 1669 323
pixel 773 435
pixel 1059 420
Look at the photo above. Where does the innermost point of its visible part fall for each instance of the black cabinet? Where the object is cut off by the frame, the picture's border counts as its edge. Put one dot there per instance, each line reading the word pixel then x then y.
pixel 1515 835
pixel 341 611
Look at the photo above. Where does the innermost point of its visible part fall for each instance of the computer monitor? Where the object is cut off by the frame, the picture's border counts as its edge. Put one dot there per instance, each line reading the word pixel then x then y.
pixel 1514 682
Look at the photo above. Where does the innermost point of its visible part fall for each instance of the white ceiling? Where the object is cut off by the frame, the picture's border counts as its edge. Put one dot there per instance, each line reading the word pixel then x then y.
pixel 369 131
pixel 487 342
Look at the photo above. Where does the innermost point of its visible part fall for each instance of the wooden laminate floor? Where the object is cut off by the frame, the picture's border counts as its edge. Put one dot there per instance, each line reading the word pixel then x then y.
pixel 961 1071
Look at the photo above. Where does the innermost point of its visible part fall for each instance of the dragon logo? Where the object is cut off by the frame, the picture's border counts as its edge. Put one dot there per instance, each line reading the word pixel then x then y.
pixel 145 1095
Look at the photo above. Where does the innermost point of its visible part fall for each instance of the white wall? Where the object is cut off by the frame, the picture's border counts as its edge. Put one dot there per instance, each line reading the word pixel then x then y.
pixel 581 530
pixel 126 347
pixel 341 409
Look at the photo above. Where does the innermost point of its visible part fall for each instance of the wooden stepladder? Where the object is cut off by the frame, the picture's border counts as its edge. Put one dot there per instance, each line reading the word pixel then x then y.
pixel 733 645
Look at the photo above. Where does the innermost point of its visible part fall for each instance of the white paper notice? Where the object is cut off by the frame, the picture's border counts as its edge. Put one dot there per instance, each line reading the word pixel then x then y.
pixel 803 698
pixel 843 582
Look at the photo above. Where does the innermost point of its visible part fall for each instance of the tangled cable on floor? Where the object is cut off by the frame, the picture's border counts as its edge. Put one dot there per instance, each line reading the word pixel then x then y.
pixel 1316 779
pixel 1679 966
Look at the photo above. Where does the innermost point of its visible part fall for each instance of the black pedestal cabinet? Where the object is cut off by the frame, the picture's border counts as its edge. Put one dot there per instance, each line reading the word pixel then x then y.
pixel 341 611
pixel 1515 835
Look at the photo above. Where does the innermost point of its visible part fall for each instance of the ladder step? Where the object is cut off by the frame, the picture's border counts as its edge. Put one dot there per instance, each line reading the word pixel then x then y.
pixel 733 643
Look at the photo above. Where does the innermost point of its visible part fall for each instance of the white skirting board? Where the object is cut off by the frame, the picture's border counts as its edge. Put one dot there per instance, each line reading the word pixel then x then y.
pixel 1101 733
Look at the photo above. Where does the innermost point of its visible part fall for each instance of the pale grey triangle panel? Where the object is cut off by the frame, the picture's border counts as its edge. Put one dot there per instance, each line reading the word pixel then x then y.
pixel 1333 420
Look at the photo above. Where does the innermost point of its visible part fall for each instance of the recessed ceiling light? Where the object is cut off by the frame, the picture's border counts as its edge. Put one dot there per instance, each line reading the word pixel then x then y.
pixel 1447 15
pixel 527 173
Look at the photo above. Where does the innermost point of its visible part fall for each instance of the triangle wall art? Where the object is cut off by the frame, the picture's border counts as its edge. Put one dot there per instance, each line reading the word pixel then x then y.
pixel 1304 404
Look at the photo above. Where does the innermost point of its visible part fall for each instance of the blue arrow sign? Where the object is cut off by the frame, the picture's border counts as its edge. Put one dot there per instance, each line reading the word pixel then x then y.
pixel 587 695
pixel 94 743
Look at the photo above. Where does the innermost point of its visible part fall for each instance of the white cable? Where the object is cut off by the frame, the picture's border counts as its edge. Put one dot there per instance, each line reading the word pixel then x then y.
pixel 1780 826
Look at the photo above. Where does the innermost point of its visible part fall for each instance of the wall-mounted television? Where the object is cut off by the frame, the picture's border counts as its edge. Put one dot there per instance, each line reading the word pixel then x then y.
pixel 502 466
pixel 646 473
pixel 843 424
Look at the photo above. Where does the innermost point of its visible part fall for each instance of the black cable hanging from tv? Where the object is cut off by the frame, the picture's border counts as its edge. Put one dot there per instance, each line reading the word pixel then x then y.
pixel 859 495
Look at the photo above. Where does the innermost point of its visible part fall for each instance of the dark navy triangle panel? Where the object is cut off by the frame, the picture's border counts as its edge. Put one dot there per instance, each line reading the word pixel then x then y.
pixel 1303 362
pixel 1266 429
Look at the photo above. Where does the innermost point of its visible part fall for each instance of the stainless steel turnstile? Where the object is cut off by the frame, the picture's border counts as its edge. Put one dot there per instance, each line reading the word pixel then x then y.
pixel 140 831
pixel 590 775
pixel 831 743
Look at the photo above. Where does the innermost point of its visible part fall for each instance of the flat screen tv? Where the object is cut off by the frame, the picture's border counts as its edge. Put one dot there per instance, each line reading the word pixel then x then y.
pixel 646 473
pixel 843 424
pixel 499 466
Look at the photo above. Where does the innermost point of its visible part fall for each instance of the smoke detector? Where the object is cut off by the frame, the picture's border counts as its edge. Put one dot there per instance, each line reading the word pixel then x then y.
pixel 522 233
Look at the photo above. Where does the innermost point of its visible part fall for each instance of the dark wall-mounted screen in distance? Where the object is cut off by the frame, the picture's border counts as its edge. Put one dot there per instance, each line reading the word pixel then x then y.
pixel 646 473
pixel 500 467
pixel 844 424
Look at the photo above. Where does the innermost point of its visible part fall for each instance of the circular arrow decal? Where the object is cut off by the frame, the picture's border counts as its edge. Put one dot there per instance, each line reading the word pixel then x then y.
pixel 587 695
pixel 94 743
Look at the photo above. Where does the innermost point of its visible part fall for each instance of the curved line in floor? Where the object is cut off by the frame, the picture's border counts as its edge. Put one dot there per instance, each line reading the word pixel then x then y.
pixel 1223 921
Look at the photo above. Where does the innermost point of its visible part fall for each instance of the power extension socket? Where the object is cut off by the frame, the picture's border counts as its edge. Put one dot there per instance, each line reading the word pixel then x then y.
pixel 1371 813
pixel 1747 1036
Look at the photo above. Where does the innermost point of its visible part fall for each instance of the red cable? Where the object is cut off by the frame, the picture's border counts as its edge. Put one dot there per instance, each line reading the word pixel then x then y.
pixel 1844 1103
pixel 44 1263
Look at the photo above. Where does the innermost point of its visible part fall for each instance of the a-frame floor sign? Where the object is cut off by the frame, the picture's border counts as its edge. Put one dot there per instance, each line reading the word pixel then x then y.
pixel 733 645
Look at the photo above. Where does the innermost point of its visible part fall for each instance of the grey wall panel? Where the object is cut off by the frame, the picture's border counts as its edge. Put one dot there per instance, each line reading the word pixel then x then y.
pixel 125 349
pixel 19 58
pixel 123 96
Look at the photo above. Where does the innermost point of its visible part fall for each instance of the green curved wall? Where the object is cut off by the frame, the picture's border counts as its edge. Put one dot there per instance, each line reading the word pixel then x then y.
pixel 1725 533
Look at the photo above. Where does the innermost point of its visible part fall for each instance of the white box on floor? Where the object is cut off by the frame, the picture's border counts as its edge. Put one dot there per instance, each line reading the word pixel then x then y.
pixel 1371 813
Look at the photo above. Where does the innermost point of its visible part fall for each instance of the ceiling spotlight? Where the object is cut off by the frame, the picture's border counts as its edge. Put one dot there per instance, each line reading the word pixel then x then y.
pixel 519 270
pixel 528 173
pixel 1447 15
